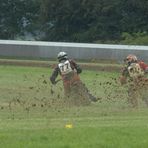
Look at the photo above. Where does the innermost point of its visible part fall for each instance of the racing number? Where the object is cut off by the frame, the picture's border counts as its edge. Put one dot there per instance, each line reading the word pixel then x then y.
pixel 135 70
pixel 65 67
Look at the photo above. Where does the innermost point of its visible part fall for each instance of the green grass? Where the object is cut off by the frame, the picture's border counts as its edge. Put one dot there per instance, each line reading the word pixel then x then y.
pixel 26 121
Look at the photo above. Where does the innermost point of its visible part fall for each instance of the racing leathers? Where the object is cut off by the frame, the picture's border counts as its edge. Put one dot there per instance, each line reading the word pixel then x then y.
pixel 73 86
pixel 134 74
pixel 69 72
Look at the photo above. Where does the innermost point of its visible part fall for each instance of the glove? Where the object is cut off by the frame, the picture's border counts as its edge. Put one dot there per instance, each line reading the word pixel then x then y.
pixel 79 70
pixel 52 81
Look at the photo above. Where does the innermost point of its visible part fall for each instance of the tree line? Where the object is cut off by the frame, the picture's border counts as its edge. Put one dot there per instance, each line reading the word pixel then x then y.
pixel 93 21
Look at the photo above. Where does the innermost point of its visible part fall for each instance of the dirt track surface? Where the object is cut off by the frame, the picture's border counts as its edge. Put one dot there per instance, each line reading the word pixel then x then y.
pixel 52 64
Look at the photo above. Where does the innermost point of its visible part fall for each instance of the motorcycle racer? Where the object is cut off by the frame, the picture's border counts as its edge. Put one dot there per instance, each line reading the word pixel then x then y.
pixel 134 73
pixel 69 71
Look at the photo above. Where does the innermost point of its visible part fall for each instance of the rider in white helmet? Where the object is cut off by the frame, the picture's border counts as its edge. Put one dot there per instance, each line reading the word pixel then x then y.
pixel 67 68
pixel 69 71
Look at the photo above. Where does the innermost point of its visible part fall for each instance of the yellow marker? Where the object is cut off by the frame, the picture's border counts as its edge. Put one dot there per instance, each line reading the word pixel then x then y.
pixel 68 126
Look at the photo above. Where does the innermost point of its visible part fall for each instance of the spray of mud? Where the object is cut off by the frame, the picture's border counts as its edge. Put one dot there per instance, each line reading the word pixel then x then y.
pixel 43 96
pixel 138 92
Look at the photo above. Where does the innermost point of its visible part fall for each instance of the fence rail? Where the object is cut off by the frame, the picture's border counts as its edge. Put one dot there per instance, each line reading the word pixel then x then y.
pixel 81 51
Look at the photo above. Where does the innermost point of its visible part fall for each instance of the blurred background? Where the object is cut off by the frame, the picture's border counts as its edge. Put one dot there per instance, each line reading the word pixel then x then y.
pixel 87 21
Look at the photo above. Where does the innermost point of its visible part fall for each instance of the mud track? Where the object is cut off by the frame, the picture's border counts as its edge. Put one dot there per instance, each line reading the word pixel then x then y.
pixel 35 63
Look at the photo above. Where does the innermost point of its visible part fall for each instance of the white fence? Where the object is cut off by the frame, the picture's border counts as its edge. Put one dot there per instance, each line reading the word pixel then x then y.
pixel 36 49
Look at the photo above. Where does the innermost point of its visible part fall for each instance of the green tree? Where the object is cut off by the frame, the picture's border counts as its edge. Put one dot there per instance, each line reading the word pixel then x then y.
pixel 73 21
pixel 16 17
pixel 134 16
pixel 80 20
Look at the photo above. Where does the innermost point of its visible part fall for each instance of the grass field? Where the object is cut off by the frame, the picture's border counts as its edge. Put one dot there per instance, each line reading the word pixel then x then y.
pixel 32 114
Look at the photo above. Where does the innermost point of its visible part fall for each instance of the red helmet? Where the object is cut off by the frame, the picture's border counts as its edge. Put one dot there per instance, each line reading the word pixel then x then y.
pixel 131 58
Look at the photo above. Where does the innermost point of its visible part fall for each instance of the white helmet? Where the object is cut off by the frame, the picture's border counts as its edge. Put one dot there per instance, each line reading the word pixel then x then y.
pixel 62 56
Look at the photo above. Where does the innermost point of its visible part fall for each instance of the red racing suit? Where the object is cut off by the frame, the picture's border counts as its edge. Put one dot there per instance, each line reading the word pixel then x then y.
pixel 137 81
pixel 135 70
pixel 143 66
pixel 69 72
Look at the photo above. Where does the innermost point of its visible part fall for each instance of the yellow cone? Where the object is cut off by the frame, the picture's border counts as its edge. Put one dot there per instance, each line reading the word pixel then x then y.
pixel 68 126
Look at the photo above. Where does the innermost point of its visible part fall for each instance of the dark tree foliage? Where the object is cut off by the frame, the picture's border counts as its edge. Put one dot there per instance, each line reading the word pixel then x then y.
pixel 16 17
pixel 73 20
pixel 134 16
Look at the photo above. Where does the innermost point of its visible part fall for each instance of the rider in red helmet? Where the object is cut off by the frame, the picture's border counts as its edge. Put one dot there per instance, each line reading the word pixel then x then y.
pixel 134 73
